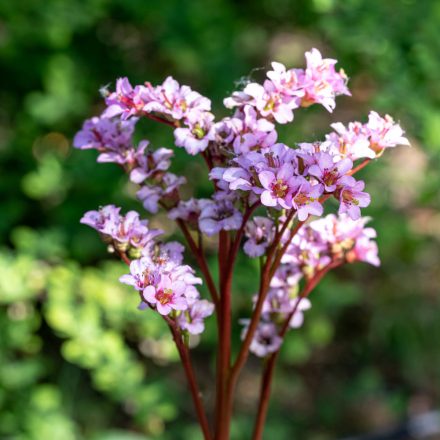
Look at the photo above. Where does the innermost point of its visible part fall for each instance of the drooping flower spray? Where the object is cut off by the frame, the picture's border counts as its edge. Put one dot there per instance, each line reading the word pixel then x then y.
pixel 265 197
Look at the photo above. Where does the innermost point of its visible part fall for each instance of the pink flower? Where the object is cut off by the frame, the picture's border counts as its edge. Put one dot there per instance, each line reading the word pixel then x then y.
pixel 252 132
pixel 150 163
pixel 125 231
pixel 141 275
pixel 197 134
pixel 111 137
pixel 270 102
pixel 219 215
pixel 106 220
pixel 321 82
pixel 287 81
pixel 384 132
pixel 306 199
pixel 278 188
pixel 175 100
pixel 166 295
pixel 126 101
pixel 151 194
pixel 301 304
pixel 328 172
pixel 351 141
pixel 193 319
pixel 188 211
pixel 351 197
pixel 266 339
pixel 260 232
pixel 364 250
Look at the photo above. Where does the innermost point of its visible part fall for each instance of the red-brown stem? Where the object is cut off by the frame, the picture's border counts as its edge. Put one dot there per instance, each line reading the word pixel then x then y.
pixel 188 368
pixel 359 167
pixel 238 236
pixel 189 371
pixel 124 258
pixel 282 251
pixel 266 381
pixel 224 346
pixel 201 261
pixel 244 351
pixel 207 158
pixel 264 284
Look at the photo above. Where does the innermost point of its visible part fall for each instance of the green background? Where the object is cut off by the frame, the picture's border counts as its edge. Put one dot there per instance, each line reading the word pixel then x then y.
pixel 77 360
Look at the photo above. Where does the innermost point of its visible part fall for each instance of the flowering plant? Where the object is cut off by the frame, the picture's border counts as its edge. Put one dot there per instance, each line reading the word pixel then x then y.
pixel 265 193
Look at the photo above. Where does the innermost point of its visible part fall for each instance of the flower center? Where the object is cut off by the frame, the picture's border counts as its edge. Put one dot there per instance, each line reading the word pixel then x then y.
pixel 270 105
pixel 329 177
pixel 348 197
pixel 279 188
pixel 301 199
pixel 198 131
pixel 145 279
pixel 164 296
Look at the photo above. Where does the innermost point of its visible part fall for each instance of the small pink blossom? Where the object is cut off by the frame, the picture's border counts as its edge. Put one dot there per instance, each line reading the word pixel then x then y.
pixel 384 132
pixel 197 134
pixel 141 275
pixel 170 98
pixel 287 81
pixel 328 172
pixel 150 163
pixel 125 101
pixel 321 82
pixel 260 232
pixel 306 199
pixel 193 319
pixel 266 339
pixel 166 295
pixel 270 102
pixel 351 197
pixel 219 215
pixel 278 188
pixel 151 194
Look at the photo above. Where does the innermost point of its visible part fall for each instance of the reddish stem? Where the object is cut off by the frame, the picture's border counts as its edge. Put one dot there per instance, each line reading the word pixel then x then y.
pixel 283 250
pixel 238 236
pixel 224 347
pixel 187 365
pixel 266 381
pixel 124 257
pixel 189 371
pixel 359 167
pixel 264 284
pixel 201 261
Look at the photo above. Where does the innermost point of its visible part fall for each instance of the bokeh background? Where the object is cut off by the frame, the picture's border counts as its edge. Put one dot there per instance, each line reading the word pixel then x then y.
pixel 77 360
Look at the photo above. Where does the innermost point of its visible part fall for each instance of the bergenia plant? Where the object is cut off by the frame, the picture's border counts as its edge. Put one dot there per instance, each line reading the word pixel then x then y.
pixel 264 201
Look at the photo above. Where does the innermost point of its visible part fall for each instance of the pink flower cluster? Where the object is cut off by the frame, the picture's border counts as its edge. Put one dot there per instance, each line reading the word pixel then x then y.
pixel 163 282
pixel 359 141
pixel 168 286
pixel 209 216
pixel 184 108
pixel 111 137
pixel 284 178
pixel 260 186
pixel 126 233
pixel 316 246
pixel 288 89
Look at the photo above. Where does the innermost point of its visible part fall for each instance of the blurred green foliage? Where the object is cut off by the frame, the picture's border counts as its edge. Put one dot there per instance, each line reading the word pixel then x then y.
pixel 77 359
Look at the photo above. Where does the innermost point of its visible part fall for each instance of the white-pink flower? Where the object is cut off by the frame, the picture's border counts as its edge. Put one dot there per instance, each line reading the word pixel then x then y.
pixel 166 295
pixel 269 101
